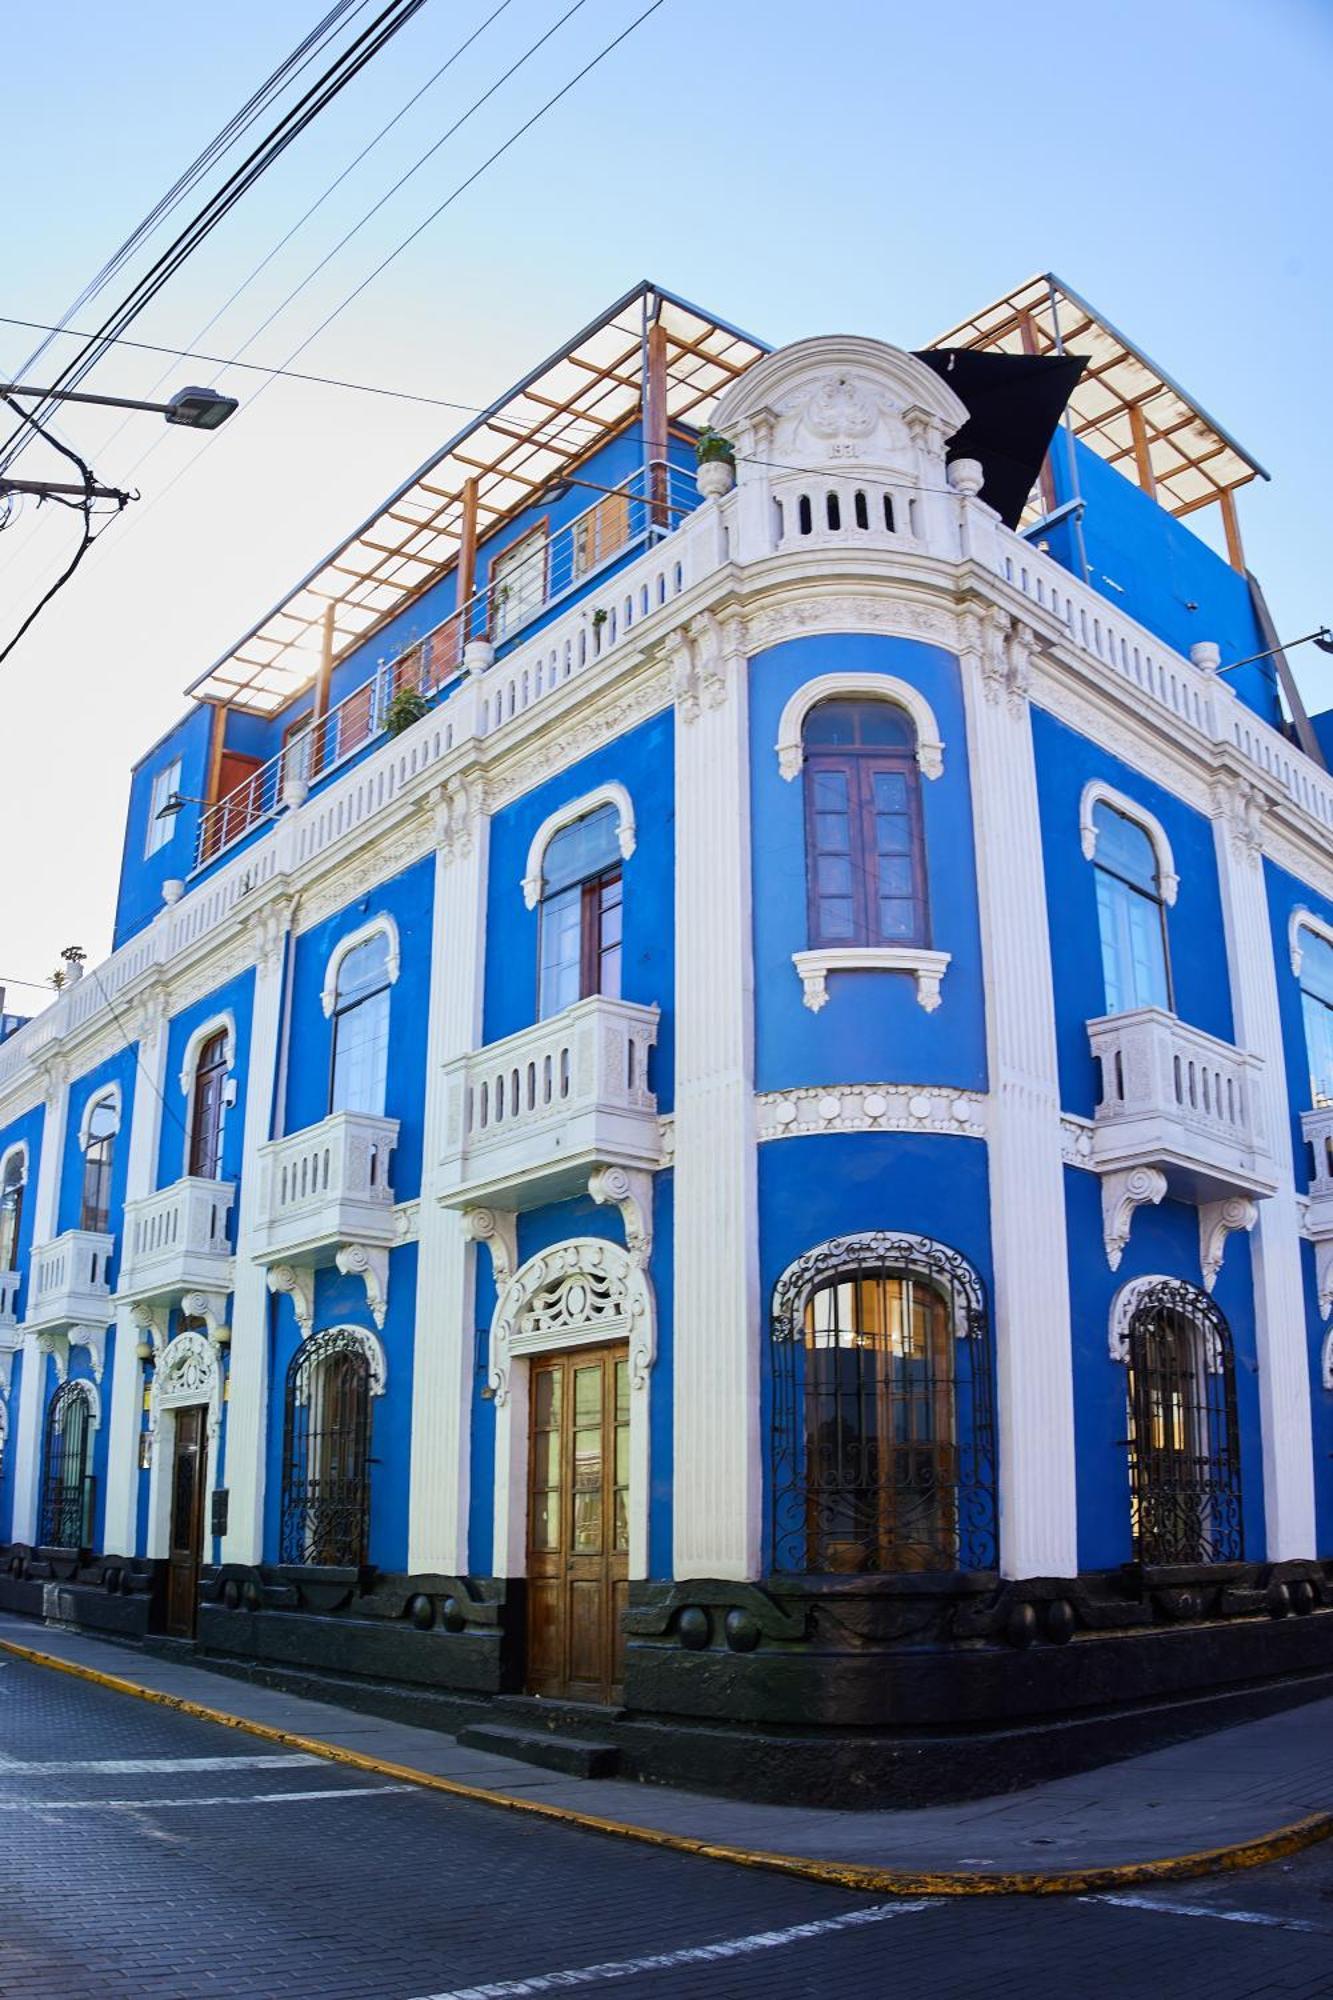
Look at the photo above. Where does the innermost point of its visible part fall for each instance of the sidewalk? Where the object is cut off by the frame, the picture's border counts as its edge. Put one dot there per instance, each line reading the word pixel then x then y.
pixel 1263 1788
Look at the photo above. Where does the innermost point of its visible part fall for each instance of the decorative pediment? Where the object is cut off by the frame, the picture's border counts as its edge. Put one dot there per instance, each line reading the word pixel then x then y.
pixel 839 400
pixel 582 1293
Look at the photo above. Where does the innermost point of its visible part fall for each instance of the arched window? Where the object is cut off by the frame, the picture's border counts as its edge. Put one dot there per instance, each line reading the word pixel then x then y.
pixel 865 855
pixel 581 911
pixel 1316 956
pixel 1184 1448
pixel 100 1127
pixel 326 1449
pixel 883 1455
pixel 206 1103
pixel 360 1065
pixel 1131 912
pixel 13 1178
pixel 67 1480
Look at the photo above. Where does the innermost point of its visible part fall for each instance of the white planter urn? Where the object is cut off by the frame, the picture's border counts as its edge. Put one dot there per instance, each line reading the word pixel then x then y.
pixel 715 477
pixel 478 655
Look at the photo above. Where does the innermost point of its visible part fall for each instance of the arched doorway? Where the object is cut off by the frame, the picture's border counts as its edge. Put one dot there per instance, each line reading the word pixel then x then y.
pixel 572 1346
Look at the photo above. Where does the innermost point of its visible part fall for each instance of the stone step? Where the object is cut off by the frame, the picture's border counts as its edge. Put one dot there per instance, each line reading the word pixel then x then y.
pixel 575 1756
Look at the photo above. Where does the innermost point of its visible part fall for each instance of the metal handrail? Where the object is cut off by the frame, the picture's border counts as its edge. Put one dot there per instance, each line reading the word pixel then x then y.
pixel 519 589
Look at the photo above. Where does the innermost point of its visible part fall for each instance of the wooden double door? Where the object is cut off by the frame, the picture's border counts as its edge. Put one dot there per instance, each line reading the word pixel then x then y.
pixel 578 1523
pixel 189 1479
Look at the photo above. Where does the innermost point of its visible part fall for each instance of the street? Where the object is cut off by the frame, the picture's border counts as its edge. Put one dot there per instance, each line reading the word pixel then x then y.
pixel 146 1852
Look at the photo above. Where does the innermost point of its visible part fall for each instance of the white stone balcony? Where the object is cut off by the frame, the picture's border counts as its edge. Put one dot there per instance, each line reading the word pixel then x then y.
pixel 9 1298
pixel 1179 1115
pixel 531 1117
pixel 325 1187
pixel 176 1241
pixel 67 1285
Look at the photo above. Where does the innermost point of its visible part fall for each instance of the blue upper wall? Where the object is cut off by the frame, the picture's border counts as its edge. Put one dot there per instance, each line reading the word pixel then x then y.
pixel 142 874
pixel 1156 569
pixel 871 1027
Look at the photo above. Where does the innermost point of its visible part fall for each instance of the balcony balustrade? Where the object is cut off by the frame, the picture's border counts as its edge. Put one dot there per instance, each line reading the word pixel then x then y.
pixel 68 1282
pixel 528 1118
pixel 325 1187
pixel 1179 1114
pixel 176 1240
pixel 9 1299
pixel 1317 1127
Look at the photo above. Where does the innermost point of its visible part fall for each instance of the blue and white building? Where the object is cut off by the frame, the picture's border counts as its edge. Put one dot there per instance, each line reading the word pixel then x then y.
pixel 712 1114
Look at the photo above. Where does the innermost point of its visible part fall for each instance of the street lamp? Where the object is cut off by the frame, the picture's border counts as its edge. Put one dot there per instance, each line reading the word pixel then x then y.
pixel 196 409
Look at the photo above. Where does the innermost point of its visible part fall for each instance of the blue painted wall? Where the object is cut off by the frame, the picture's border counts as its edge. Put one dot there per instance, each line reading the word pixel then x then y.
pixel 25 1131
pixel 644 762
pixel 835 1184
pixel 122 1069
pixel 1156 569
pixel 408 898
pixel 872 1028
pixel 142 874
pixel 1164 1241
pixel 341 1301
pixel 237 999
pixel 11 1447
pixel 1195 936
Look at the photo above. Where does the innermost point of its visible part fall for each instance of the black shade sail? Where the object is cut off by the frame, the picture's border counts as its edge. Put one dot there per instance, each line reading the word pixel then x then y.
pixel 1015 402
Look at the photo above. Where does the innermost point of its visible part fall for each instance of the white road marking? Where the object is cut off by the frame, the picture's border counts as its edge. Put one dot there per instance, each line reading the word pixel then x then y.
pixel 244 1799
pixel 124 1767
pixel 665 1961
pixel 1166 1908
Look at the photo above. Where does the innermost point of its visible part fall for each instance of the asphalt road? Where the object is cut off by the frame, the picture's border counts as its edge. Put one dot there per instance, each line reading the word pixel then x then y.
pixel 146 1853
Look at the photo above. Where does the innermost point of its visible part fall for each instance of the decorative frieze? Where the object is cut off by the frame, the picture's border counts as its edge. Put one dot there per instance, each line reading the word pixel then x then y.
pixel 879 1107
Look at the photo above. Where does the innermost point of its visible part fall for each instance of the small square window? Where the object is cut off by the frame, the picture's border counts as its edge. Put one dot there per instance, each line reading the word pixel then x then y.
pixel 165 783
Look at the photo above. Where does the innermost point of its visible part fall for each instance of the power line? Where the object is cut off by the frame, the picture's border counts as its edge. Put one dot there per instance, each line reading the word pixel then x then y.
pixel 263 367
pixel 292 123
pixel 290 67
pixel 180 353
pixel 376 206
pixel 607 49
pixel 87 536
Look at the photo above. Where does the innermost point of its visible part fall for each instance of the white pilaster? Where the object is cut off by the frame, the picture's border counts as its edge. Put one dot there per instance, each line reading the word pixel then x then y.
pixel 446 1256
pixel 247 1408
pixel 45 1211
pixel 1275 1249
pixel 718 1471
pixel 1038 1524
pixel 145 1129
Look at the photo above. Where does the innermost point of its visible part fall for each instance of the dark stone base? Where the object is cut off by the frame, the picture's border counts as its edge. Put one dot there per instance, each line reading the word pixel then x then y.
pixel 116 1597
pixel 839 1691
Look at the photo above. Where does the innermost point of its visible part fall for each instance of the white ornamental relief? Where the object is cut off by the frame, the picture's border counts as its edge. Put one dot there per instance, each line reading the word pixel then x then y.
pixel 580 1293
pixel 837 417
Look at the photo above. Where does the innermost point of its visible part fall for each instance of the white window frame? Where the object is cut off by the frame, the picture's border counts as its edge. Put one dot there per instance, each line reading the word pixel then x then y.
pixel 108 1094
pixel 897 693
pixel 1095 794
pixel 223 1024
pixel 566 815
pixel 382 925
pixel 165 782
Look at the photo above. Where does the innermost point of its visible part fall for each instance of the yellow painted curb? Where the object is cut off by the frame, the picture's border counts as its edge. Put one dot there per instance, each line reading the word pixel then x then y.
pixel 1272 1846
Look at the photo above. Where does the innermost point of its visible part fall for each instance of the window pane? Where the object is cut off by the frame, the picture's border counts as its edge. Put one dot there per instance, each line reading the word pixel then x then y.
pixel 1316 965
pixel 837 920
pixel 582 850
pixel 518 583
pixel 1319 1047
pixel 836 724
pixel 1133 946
pixel 1124 847
pixel 897 919
pixel 561 939
pixel 364 968
pixel 830 790
pixel 833 875
pixel 361 1055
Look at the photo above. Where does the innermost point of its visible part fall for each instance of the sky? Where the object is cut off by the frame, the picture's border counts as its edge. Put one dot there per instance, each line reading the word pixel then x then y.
pixel 861 166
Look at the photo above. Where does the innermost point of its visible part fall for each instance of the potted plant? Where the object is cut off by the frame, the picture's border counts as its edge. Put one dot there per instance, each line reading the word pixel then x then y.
pixel 716 457
pixel 406 708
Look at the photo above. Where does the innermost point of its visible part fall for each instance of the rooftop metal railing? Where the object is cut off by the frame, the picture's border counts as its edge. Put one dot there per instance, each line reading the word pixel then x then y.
pixel 525 580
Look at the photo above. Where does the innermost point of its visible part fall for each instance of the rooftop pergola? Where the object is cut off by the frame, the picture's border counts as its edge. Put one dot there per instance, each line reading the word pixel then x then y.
pixel 1125 408
pixel 651 352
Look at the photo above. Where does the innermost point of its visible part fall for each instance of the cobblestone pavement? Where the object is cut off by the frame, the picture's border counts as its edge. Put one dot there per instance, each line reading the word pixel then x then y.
pixel 148 1853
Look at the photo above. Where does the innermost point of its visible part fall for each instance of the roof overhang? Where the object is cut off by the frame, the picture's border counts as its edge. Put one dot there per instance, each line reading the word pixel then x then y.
pixel 573 402
pixel 1124 407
